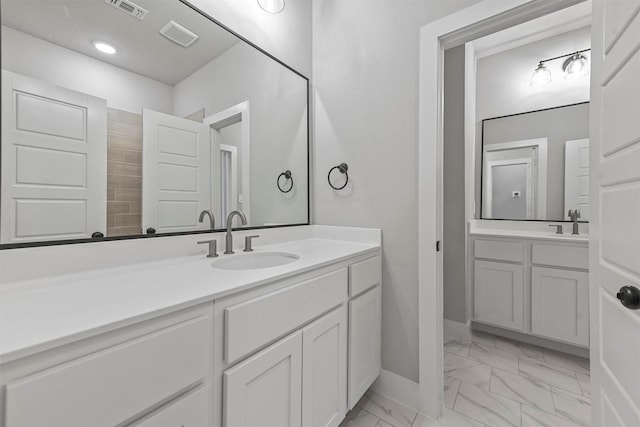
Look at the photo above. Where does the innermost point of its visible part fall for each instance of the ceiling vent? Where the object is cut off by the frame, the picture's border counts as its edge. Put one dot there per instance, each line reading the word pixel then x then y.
pixel 128 7
pixel 178 34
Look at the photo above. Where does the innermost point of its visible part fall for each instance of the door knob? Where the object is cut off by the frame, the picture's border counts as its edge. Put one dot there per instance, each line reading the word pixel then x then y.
pixel 629 296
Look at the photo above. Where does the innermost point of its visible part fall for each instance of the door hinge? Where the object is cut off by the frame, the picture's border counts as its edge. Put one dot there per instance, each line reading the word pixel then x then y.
pixel 438 246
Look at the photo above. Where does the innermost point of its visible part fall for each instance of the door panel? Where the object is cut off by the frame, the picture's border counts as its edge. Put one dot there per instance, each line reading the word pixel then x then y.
pixel 615 187
pixel 53 159
pixel 324 375
pixel 265 390
pixel 177 172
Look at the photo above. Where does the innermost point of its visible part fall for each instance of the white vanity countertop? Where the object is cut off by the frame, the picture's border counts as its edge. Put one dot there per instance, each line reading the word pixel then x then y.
pixel 44 313
pixel 538 235
pixel 528 230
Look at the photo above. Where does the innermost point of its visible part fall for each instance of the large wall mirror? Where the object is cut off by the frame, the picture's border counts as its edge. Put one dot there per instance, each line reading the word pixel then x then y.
pixel 175 115
pixel 535 165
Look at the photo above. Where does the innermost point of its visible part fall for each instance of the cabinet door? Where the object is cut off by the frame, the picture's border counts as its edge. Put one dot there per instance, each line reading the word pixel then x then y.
pixel 265 390
pixel 560 304
pixel 324 370
pixel 497 294
pixel 365 331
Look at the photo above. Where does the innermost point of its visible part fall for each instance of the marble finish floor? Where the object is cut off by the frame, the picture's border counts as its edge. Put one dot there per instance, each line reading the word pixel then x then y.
pixel 494 382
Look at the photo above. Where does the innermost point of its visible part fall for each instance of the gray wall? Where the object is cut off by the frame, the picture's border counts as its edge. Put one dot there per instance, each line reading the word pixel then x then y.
pixel 558 125
pixel 365 77
pixel 454 228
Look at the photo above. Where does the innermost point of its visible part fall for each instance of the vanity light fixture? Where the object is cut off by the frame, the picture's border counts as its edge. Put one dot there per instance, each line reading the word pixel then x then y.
pixel 104 47
pixel 576 65
pixel 271 6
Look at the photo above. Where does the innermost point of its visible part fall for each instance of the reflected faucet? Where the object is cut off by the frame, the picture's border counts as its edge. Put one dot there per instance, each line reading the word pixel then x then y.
pixel 574 214
pixel 212 220
pixel 228 249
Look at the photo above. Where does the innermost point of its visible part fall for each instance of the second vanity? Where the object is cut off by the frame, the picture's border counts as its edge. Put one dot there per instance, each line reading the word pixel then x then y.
pixel 532 283
pixel 181 343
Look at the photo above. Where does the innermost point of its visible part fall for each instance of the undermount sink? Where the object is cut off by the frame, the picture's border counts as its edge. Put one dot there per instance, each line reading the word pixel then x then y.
pixel 254 260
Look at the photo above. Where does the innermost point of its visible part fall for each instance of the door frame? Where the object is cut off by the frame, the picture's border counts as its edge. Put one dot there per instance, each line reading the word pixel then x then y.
pixel 232 115
pixel 475 21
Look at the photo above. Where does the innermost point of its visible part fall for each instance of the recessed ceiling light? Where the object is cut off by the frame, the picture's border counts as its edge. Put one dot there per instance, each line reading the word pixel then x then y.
pixel 104 47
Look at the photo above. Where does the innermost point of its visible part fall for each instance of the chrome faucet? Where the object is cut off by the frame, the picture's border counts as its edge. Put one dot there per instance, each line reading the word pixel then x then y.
pixel 228 249
pixel 212 220
pixel 574 214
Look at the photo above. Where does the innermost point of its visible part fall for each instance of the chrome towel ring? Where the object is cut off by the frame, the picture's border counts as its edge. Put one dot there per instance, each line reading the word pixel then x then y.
pixel 287 175
pixel 342 168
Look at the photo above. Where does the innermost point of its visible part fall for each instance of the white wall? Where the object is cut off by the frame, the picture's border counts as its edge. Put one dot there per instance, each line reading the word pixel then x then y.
pixel 286 35
pixel 46 61
pixel 277 99
pixel 365 76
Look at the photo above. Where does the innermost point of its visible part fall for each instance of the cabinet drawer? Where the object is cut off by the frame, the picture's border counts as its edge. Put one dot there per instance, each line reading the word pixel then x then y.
pixel 112 385
pixel 364 275
pixel 503 251
pixel 561 256
pixel 251 324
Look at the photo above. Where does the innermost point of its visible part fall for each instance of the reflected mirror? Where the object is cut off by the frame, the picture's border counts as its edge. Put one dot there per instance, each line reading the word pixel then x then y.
pixel 125 118
pixel 535 165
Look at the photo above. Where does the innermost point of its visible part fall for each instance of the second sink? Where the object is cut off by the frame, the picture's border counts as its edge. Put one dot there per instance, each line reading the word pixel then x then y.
pixel 255 260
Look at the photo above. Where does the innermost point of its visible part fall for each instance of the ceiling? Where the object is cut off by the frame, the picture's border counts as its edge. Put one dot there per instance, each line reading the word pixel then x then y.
pixel 76 24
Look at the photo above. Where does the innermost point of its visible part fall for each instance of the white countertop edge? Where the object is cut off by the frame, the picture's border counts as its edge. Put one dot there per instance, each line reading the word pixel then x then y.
pixel 13 352
pixel 535 235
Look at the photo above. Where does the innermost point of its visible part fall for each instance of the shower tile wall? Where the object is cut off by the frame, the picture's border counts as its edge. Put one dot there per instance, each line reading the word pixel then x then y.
pixel 124 173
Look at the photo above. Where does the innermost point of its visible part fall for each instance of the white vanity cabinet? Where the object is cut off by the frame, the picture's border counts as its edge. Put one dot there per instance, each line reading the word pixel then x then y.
pixel 365 327
pixel 157 369
pixel 534 287
pixel 297 349
pixel 298 352
pixel 560 293
pixel 498 297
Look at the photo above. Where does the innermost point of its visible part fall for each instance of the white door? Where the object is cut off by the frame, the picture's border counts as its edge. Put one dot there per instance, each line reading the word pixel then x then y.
pixel 54 162
pixel 265 390
pixel 176 173
pixel 324 370
pixel 614 244
pixel 576 177
pixel 364 343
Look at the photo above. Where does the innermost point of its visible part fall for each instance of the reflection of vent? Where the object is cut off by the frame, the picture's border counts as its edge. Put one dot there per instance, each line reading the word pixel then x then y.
pixel 128 7
pixel 178 34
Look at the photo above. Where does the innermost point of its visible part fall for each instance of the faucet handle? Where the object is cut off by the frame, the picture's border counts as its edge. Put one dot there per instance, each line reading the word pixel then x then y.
pixel 213 247
pixel 558 228
pixel 248 241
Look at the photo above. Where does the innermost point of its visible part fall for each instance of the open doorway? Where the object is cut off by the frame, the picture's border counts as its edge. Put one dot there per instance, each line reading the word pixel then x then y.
pixel 491 377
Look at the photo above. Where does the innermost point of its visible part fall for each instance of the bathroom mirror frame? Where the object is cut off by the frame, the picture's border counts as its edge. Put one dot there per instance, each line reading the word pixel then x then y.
pixel 482 163
pixel 214 21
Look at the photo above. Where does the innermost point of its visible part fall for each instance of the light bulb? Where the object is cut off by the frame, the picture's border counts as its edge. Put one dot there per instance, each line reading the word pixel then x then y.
pixel 541 76
pixel 575 66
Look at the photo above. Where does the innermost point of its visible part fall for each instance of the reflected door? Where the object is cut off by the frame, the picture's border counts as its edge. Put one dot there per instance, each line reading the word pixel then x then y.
pixel 176 169
pixel 54 168
pixel 576 177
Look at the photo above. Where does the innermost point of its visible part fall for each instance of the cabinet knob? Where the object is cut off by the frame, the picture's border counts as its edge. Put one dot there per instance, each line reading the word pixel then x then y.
pixel 629 296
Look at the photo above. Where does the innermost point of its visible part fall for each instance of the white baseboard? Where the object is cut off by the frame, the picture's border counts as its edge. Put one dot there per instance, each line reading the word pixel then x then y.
pixel 457 331
pixel 398 388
